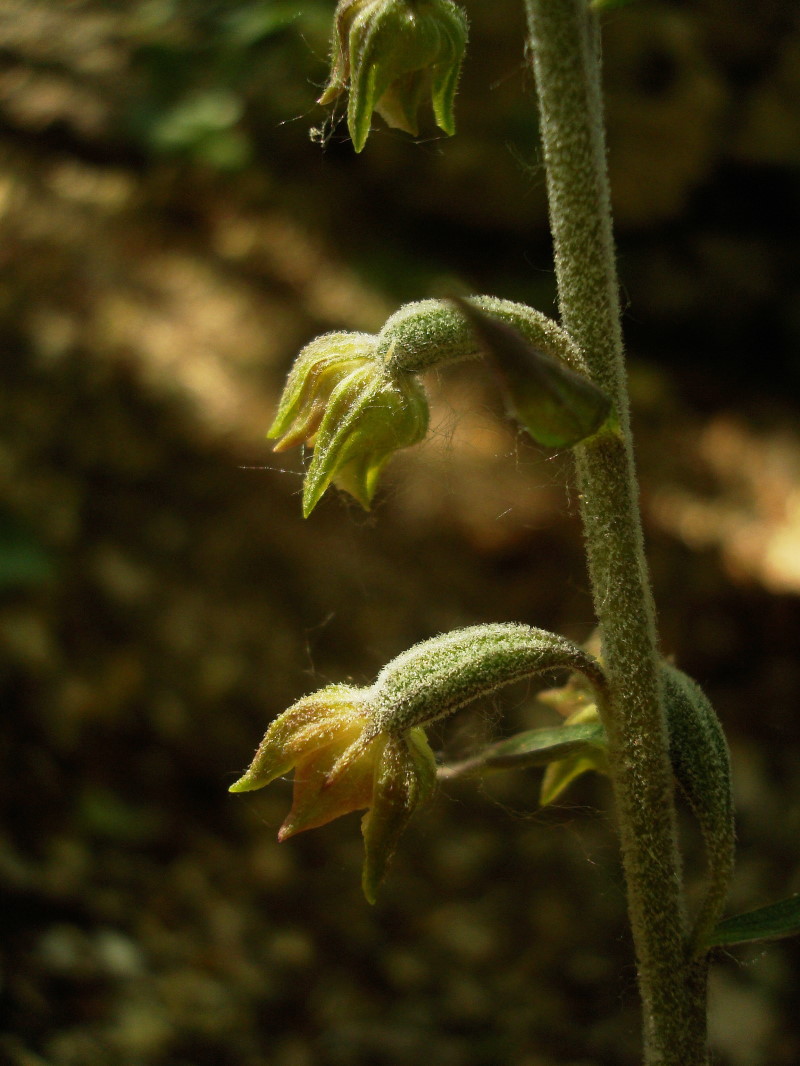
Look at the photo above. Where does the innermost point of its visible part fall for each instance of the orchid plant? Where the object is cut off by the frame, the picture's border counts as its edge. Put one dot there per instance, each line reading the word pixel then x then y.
pixel 356 398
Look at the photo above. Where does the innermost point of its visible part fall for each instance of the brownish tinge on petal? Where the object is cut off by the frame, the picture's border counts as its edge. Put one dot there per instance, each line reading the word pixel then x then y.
pixel 308 724
pixel 318 798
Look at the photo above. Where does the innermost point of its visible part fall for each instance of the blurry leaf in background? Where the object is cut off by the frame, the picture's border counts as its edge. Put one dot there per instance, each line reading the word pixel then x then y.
pixel 23 560
pixel 203 125
pixel 106 815
pixel 205 72
pixel 249 24
pixel 773 922
pixel 609 5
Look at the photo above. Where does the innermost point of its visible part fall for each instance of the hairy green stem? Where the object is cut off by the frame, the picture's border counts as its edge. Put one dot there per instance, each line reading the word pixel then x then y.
pixel 564 42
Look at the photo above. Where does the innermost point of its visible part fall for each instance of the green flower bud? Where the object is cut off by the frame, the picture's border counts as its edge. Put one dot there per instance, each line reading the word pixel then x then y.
pixel 342 400
pixel 392 54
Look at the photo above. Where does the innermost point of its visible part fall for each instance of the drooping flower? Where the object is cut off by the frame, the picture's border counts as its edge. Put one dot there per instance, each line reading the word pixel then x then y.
pixel 341 399
pixel 391 54
pixel 343 763
pixel 318 369
pixel 365 748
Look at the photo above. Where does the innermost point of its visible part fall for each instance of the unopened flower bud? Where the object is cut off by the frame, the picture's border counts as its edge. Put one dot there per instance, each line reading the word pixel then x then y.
pixel 391 54
pixel 343 401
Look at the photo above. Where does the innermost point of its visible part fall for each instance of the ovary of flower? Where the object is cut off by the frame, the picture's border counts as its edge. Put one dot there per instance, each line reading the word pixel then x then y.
pixel 342 763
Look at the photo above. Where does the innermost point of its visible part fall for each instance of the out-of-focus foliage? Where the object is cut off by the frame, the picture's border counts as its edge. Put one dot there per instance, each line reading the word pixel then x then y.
pixel 773 922
pixel 23 560
pixel 212 75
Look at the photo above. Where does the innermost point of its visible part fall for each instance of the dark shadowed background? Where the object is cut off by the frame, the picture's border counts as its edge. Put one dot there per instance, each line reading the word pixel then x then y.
pixel 171 236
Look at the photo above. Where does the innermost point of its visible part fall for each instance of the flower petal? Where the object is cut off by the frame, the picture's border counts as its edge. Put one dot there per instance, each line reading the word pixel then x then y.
pixel 311 722
pixel 319 796
pixel 316 372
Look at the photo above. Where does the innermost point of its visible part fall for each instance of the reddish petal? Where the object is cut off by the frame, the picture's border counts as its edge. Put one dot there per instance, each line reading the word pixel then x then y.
pixel 318 799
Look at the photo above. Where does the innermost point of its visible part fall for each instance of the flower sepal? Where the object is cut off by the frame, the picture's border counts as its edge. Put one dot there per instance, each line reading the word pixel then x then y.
pixel 405 779
pixel 342 763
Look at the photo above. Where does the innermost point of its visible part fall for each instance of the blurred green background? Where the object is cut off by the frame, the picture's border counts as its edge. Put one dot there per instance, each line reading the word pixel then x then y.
pixel 178 218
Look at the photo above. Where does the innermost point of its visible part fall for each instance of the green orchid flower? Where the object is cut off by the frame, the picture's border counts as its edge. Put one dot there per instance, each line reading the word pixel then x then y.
pixel 341 399
pixel 355 749
pixel 343 762
pixel 391 55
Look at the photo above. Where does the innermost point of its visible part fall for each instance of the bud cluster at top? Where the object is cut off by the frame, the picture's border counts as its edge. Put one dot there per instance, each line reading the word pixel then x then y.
pixel 391 55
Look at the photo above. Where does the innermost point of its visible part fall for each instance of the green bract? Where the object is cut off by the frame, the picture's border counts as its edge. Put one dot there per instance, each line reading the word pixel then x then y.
pixel 557 406
pixel 344 402
pixel 772 922
pixel 701 761
pixel 392 54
